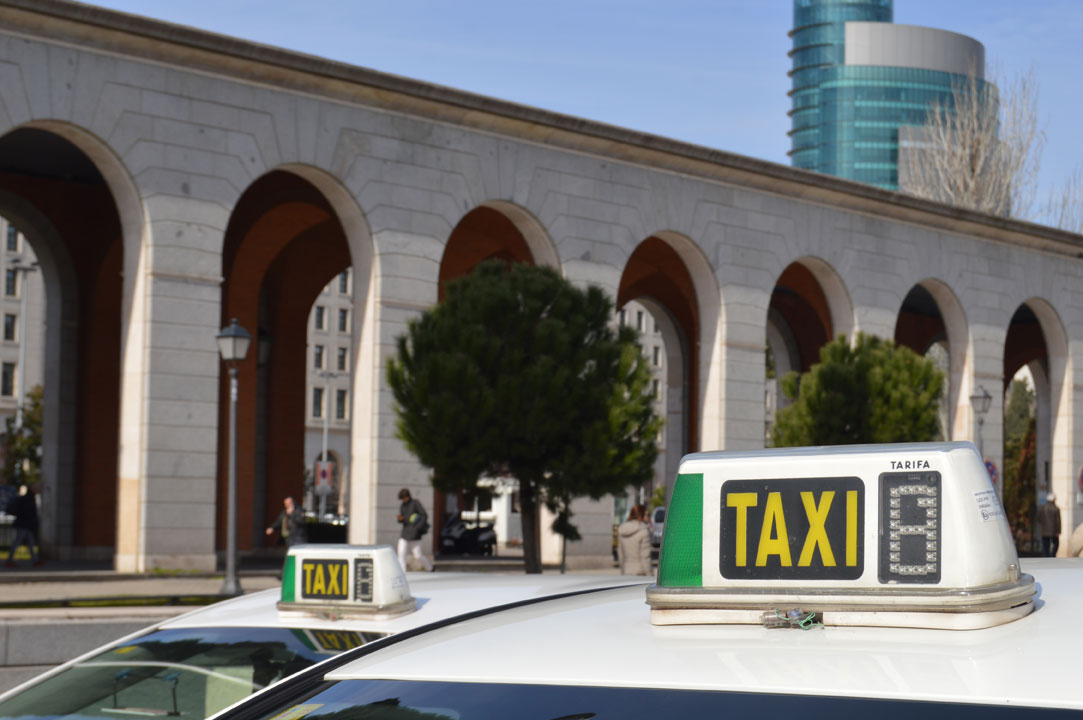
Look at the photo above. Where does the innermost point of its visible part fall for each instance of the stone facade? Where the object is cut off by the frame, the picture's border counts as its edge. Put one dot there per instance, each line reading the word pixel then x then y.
pixel 212 148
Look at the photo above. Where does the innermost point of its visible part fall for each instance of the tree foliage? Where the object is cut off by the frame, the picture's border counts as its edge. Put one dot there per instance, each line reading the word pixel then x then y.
pixel 870 392
pixel 22 448
pixel 520 373
pixel 1020 462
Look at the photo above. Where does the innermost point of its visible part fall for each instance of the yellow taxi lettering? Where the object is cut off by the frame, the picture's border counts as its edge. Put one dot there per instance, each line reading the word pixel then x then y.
pixel 333 587
pixel 307 569
pixel 742 502
pixel 773 537
pixel 851 528
pixel 817 533
pixel 319 586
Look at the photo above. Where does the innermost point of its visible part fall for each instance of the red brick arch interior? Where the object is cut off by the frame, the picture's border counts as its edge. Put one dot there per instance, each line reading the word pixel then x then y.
pixel 656 271
pixel 482 234
pixel 800 300
pixel 1024 344
pixel 83 214
pixel 919 323
pixel 284 243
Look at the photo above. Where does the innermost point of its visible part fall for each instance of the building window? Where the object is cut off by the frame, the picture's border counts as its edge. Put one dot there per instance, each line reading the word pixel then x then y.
pixel 13 239
pixel 317 357
pixel 657 389
pixel 344 282
pixel 623 318
pixel 343 320
pixel 317 402
pixel 340 405
pixel 11 283
pixel 342 357
pixel 7 380
pixel 321 317
pixel 639 320
pixel 657 356
pixel 9 326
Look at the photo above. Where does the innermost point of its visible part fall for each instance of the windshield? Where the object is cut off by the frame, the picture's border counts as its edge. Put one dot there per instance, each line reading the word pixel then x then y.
pixel 403 700
pixel 191 672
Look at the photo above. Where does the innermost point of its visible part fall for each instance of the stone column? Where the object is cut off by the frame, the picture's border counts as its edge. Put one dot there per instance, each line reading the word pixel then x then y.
pixel 169 389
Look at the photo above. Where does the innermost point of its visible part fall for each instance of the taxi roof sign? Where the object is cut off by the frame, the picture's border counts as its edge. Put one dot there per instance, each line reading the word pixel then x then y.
pixel 334 581
pixel 908 535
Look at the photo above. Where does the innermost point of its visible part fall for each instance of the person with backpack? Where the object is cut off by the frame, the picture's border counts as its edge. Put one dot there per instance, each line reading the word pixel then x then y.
pixel 415 523
pixel 25 509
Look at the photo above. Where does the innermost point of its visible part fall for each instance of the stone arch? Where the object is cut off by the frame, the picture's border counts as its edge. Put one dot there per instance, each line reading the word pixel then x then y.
pixel 1036 338
pixel 810 298
pixel 76 203
pixel 809 307
pixel 669 275
pixel 931 313
pixel 494 230
pixel 498 230
pixel 291 232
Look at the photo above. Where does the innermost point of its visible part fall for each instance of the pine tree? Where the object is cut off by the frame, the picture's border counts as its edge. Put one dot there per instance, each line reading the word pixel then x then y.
pixel 870 392
pixel 518 372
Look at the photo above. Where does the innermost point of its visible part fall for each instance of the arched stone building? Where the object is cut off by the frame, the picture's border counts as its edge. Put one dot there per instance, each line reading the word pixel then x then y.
pixel 171 179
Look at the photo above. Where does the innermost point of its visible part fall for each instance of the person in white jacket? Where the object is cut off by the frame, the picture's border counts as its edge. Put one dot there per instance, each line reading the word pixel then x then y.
pixel 634 543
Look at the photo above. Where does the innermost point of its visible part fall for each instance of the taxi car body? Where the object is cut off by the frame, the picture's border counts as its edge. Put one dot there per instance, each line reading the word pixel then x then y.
pixel 200 662
pixel 809 583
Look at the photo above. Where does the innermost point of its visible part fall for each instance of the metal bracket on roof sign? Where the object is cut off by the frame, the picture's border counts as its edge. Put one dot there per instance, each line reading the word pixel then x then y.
pixel 795 618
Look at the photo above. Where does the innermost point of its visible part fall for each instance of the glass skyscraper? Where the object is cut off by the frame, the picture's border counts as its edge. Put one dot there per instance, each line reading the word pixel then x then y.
pixel 858 78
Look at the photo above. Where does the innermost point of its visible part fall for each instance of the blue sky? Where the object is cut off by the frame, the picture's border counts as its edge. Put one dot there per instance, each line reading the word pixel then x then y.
pixel 711 72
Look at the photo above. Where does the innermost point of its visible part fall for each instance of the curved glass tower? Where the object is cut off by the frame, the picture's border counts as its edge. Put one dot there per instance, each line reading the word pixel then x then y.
pixel 858 78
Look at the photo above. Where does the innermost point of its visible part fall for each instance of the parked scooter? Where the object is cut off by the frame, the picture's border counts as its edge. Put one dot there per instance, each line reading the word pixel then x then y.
pixel 457 538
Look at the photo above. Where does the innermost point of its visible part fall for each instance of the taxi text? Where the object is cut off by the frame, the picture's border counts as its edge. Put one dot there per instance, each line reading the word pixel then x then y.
pixel 793 528
pixel 327 579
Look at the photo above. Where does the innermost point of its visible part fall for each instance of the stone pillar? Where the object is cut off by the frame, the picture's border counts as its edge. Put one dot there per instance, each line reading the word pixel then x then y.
pixel 742 351
pixel 169 389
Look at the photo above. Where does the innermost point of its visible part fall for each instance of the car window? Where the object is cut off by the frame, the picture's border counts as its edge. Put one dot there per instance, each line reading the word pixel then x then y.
pixel 401 700
pixel 659 515
pixel 191 672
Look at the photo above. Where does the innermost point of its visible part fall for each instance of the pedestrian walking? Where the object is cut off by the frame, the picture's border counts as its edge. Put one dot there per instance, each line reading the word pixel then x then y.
pixel 25 509
pixel 1049 522
pixel 415 523
pixel 290 523
pixel 634 543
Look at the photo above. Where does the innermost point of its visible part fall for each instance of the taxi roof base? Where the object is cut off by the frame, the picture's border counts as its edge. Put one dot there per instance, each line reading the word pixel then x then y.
pixel 900 619
pixel 336 611
pixel 887 607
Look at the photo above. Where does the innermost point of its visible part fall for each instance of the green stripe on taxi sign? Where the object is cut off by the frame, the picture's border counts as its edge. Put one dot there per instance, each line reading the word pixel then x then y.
pixel 681 563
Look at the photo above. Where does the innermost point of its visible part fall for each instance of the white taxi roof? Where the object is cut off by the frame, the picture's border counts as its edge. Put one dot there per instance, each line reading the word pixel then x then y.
pixel 438 595
pixel 605 638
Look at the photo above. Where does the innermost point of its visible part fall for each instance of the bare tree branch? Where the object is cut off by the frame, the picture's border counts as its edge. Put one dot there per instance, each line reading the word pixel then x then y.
pixel 980 149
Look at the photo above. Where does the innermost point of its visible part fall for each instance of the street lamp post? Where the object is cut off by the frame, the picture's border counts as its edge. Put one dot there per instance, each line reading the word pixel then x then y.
pixel 980 400
pixel 321 489
pixel 233 344
pixel 21 270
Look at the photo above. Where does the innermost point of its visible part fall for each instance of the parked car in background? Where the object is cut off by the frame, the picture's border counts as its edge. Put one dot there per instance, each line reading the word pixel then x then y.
pixel 658 526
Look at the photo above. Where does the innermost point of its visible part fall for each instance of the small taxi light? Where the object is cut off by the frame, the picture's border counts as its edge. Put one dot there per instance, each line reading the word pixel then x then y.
pixel 908 535
pixel 336 581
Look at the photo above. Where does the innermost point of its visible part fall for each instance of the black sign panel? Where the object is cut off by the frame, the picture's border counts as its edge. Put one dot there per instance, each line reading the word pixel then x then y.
pixel 792 529
pixel 362 578
pixel 910 527
pixel 325 579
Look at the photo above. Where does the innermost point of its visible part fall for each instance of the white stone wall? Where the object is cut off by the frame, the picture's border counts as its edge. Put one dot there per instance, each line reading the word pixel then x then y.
pixel 179 145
